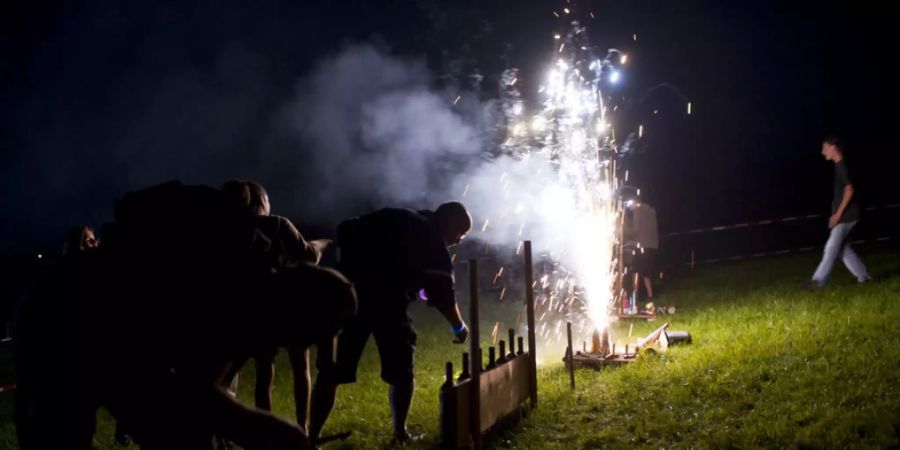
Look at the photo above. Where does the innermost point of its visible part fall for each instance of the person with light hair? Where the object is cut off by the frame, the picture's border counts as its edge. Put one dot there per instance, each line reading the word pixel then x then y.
pixel 275 245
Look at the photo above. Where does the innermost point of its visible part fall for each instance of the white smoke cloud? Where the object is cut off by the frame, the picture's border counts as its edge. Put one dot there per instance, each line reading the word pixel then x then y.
pixel 370 129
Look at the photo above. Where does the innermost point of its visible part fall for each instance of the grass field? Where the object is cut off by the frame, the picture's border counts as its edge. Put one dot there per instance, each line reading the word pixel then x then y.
pixel 771 366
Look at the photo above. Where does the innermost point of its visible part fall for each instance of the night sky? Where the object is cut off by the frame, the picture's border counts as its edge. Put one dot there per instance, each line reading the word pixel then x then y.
pixel 103 97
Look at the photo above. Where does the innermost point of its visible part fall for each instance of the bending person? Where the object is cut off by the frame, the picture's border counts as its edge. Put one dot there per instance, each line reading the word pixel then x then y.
pixel 389 255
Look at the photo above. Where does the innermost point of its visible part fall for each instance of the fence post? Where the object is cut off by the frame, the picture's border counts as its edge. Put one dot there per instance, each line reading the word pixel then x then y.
pixel 475 355
pixel 532 344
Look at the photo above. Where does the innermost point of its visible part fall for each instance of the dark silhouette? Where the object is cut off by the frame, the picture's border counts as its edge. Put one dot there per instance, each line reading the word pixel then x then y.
pixel 196 303
pixel 276 245
pixel 390 255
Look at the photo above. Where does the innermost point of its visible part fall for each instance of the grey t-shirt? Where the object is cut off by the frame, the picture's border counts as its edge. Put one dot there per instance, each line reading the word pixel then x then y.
pixel 645 229
pixel 841 180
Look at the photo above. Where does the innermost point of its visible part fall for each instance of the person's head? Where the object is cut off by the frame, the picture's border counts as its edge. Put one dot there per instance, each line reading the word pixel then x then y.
pixel 833 148
pixel 249 196
pixel 79 239
pixel 453 222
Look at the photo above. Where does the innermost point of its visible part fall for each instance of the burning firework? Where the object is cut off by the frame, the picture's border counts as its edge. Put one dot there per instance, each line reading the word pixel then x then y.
pixel 558 183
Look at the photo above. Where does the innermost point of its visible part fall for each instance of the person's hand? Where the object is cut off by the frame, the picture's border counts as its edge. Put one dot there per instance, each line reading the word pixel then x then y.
pixel 834 220
pixel 462 335
pixel 320 244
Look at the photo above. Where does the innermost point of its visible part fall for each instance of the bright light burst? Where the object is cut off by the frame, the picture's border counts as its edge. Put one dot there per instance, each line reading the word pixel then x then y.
pixel 577 142
pixel 569 138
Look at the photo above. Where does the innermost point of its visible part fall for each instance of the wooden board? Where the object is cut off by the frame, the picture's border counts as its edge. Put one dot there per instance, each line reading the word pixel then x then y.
pixel 503 391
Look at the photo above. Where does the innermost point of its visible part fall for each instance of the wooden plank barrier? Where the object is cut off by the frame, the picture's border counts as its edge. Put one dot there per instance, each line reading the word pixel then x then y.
pixel 502 389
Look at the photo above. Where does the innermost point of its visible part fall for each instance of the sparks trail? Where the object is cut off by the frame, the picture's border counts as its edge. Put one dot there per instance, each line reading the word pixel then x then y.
pixel 555 181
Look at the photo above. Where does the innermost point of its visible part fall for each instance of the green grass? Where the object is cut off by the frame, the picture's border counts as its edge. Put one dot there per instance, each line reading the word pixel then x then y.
pixel 771 366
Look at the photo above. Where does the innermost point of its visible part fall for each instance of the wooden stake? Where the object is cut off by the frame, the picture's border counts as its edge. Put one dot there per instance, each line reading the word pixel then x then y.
pixel 465 375
pixel 475 354
pixel 532 340
pixel 571 355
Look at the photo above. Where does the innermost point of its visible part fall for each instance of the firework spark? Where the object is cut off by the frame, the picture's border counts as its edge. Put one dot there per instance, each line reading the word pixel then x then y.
pixel 570 133
pixel 559 178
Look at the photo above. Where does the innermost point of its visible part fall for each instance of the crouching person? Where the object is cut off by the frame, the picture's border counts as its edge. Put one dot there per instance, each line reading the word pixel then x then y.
pixel 185 406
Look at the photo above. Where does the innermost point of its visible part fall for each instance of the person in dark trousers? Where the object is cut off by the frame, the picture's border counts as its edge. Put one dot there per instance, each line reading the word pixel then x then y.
pixel 276 245
pixel 54 404
pixel 845 212
pixel 389 255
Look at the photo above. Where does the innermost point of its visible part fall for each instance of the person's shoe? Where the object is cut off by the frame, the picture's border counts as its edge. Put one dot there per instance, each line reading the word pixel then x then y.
pixel 405 438
pixel 124 440
pixel 812 286
pixel 224 444
pixel 866 280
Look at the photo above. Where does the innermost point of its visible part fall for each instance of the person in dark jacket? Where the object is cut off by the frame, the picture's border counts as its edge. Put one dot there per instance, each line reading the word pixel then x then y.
pixel 390 255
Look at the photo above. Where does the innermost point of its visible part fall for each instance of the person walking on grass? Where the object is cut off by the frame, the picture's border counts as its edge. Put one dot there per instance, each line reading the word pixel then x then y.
pixel 845 212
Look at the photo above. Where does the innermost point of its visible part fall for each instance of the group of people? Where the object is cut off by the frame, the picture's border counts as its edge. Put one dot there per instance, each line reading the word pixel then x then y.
pixel 154 320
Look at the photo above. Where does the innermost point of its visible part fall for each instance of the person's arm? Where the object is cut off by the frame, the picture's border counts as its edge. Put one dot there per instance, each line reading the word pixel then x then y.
pixel 845 200
pixel 247 427
pixel 457 324
pixel 439 290
pixel 298 248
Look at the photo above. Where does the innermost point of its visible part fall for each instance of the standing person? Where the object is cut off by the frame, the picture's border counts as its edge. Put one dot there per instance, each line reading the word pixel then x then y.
pixel 646 233
pixel 845 212
pixel 54 404
pixel 390 254
pixel 276 245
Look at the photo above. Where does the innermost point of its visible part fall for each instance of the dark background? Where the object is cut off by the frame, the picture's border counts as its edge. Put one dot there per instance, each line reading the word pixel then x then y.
pixel 98 98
